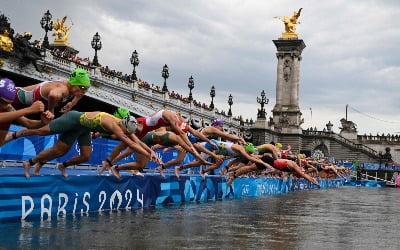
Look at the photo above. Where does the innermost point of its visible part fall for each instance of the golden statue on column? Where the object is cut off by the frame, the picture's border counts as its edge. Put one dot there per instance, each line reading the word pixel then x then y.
pixel 61 31
pixel 290 24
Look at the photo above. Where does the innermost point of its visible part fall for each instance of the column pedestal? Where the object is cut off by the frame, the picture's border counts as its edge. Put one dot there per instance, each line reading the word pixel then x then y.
pixel 286 113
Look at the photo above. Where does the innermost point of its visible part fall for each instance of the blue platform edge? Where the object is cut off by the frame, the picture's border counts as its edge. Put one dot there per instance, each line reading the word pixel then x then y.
pixel 50 196
pixel 365 183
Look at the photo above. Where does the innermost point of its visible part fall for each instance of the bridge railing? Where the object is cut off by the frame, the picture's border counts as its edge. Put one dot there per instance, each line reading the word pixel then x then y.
pixel 366 176
pixel 341 139
pixel 160 99
pixel 385 138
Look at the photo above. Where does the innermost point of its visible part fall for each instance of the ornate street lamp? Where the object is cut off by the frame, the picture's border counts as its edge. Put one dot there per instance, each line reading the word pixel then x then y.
pixel 165 75
pixel 47 25
pixel 135 62
pixel 191 86
pixel 263 100
pixel 212 94
pixel 96 45
pixel 230 102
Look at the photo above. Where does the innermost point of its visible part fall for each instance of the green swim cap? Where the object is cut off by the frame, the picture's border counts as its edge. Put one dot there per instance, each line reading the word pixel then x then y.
pixel 79 77
pixel 249 147
pixel 121 112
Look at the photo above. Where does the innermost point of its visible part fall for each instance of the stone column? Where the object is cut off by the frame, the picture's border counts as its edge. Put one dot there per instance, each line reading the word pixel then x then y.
pixel 286 113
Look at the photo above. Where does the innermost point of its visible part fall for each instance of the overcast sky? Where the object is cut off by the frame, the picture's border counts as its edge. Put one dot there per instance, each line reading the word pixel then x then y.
pixel 351 56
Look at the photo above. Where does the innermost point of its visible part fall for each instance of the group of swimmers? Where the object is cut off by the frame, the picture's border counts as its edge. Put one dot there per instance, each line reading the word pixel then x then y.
pixel 210 145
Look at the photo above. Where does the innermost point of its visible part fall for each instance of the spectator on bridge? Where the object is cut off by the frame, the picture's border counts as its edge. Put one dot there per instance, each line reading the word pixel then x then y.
pixel 387 157
pixel 358 168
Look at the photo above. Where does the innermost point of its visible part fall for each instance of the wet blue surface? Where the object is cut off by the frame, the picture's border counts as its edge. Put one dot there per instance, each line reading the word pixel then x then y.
pixel 52 195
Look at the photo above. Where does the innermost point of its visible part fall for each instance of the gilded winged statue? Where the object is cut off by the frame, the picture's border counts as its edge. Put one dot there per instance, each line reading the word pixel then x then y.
pixel 290 24
pixel 61 30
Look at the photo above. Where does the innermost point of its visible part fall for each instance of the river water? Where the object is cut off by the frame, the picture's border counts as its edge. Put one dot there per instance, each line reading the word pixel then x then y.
pixel 337 218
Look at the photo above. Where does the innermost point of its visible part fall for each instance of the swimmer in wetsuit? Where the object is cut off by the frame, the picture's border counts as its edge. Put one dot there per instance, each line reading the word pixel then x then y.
pixel 280 164
pixel 215 131
pixel 227 149
pixel 157 137
pixel 8 114
pixel 53 93
pixel 161 137
pixel 76 125
pixel 163 118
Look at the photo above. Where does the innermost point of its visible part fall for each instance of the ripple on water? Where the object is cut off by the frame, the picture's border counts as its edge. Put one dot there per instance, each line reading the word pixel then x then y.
pixel 341 218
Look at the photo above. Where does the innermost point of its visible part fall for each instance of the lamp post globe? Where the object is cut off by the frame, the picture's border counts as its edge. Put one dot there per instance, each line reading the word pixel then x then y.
pixel 165 75
pixel 135 62
pixel 212 94
pixel 96 45
pixel 191 86
pixel 262 101
pixel 230 102
pixel 47 25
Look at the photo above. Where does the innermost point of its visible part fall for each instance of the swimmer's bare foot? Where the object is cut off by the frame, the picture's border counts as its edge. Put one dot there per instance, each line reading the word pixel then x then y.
pixel 202 174
pixel 161 170
pixel 27 168
pixel 115 171
pixel 63 171
pixel 137 172
pixel 230 179
pixel 104 166
pixel 177 170
pixel 38 166
pixel 10 136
